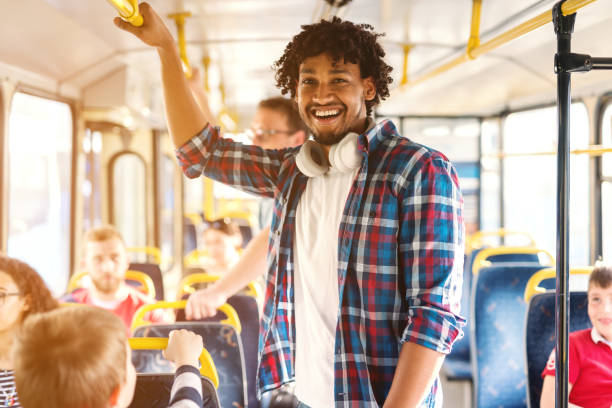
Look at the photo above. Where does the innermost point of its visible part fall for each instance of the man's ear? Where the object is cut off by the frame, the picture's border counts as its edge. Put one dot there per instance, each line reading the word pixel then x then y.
pixel 369 88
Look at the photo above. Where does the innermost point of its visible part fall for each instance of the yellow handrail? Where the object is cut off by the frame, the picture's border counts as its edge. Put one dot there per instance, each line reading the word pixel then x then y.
pixel 138 320
pixel 179 19
pixel 568 7
pixel 474 241
pixel 207 365
pixel 153 251
pixel 407 48
pixel 474 40
pixel 481 258
pixel 137 276
pixel 128 11
pixel 193 257
pixel 532 287
pixel 253 288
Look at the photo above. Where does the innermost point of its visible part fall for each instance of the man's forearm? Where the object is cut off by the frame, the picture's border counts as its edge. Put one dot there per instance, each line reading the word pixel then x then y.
pixel 416 371
pixel 252 264
pixel 184 117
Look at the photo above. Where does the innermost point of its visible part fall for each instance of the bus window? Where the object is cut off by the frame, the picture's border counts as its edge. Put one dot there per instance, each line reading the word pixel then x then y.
pixel 490 193
pixel 128 207
pixel 458 140
pixel 40 157
pixel 91 187
pixel 167 205
pixel 530 182
pixel 606 186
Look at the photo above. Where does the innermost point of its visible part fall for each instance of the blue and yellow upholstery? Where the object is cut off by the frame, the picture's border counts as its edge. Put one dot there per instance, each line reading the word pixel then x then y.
pixel 154 272
pixel 221 340
pixel 497 342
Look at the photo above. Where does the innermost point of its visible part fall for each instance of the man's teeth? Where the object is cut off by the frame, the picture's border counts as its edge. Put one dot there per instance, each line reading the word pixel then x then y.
pixel 325 113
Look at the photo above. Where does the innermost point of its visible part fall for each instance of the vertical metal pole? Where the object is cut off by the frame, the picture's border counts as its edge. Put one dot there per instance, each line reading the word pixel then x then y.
pixel 564 26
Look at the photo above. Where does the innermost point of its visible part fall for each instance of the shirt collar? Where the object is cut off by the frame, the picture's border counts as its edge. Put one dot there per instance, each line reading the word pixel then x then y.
pixel 596 337
pixel 375 132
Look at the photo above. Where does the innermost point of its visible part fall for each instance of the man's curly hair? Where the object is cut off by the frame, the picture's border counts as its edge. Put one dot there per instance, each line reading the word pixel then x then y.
pixel 341 40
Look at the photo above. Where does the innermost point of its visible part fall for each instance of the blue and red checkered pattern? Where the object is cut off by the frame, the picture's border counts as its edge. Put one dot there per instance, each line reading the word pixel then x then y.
pixel 400 255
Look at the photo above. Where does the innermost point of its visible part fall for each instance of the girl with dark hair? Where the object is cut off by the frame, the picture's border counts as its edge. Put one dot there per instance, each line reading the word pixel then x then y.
pixel 22 293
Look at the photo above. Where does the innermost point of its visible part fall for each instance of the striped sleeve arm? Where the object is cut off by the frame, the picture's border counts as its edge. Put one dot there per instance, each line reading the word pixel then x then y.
pixel 246 167
pixel 431 253
pixel 187 388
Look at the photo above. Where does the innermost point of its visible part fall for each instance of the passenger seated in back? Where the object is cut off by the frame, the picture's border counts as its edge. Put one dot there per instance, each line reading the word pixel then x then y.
pixel 79 357
pixel 221 240
pixel 22 294
pixel 590 352
pixel 105 259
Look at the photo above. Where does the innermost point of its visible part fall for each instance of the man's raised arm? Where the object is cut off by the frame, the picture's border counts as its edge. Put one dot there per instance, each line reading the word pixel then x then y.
pixel 185 119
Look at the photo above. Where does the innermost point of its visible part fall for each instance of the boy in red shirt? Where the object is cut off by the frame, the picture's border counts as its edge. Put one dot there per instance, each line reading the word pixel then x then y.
pixel 590 352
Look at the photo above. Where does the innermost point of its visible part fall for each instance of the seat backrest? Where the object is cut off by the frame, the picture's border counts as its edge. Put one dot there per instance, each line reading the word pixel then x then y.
pixel 190 236
pixel 457 363
pixel 154 273
pixel 497 341
pixel 540 335
pixel 153 391
pixel 222 342
pixel 248 313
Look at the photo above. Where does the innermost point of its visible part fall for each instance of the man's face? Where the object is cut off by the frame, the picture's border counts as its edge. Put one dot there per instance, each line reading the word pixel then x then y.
pixel 600 309
pixel 271 130
pixel 106 262
pixel 331 98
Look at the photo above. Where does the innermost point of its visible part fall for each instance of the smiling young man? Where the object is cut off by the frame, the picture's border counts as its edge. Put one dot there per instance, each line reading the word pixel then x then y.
pixel 366 249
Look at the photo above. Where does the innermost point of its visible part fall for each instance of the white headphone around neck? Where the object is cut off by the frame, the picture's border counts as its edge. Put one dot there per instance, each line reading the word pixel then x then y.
pixel 343 156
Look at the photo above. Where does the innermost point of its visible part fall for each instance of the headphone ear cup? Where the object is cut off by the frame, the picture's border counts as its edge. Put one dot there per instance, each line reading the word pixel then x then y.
pixel 311 159
pixel 345 155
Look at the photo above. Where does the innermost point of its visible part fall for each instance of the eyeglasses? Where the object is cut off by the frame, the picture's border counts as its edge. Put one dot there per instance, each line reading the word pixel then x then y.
pixel 4 295
pixel 264 134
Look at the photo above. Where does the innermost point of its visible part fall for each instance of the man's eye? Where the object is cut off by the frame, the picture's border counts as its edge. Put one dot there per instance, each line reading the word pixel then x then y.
pixel 339 80
pixel 307 81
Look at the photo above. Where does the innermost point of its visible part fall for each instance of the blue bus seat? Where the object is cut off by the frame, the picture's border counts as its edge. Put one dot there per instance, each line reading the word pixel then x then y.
pixel 457 365
pixel 190 236
pixel 497 341
pixel 153 391
pixel 223 344
pixel 248 313
pixel 540 335
pixel 154 273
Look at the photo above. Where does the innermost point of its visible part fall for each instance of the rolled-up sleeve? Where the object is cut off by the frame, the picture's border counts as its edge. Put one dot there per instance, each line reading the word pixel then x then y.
pixel 431 251
pixel 246 167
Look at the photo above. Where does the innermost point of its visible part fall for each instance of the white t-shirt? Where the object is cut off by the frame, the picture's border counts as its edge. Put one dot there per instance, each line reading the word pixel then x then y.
pixel 316 285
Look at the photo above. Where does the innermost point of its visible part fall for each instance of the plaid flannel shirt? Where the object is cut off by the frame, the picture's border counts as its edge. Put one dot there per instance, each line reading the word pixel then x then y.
pixel 400 255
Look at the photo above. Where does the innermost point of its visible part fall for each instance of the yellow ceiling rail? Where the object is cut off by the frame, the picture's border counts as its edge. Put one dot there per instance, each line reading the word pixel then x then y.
pixel 128 11
pixel 179 19
pixel 207 365
pixel 532 287
pixel 568 7
pixel 474 40
pixel 594 150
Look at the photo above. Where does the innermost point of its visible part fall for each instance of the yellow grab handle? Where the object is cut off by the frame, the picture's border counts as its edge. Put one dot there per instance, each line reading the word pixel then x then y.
pixel 138 319
pixel 474 241
pixel 154 252
pixel 128 11
pixel 481 258
pixel 549 273
pixel 185 286
pixel 207 365
pixel 137 276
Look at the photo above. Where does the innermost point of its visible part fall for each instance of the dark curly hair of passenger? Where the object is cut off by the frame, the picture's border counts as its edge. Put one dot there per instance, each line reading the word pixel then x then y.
pixel 30 284
pixel 341 40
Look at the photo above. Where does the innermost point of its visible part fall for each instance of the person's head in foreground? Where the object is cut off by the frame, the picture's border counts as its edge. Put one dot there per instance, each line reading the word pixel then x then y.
pixel 22 293
pixel 336 73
